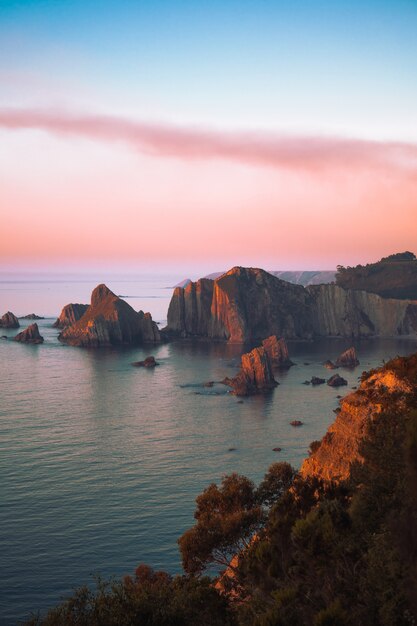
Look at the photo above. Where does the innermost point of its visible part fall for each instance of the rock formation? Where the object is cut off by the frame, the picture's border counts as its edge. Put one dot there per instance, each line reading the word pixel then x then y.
pixel 9 320
pixel 348 358
pixel 246 304
pixel 315 380
pixel 255 374
pixel 32 316
pixel 70 314
pixel 339 448
pixel 336 381
pixel 30 335
pixel 110 321
pixel 277 351
pixel 148 362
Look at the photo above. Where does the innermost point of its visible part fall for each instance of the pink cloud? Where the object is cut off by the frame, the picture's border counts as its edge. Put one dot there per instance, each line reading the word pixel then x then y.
pixel 250 148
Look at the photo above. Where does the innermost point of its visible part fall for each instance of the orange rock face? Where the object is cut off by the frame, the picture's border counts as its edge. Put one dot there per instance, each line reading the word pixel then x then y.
pixel 277 351
pixel 339 448
pixel 347 359
pixel 70 314
pixel 110 321
pixel 255 375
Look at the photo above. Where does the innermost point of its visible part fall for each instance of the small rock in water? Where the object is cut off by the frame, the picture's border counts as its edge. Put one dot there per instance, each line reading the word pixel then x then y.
pixel 276 449
pixel 296 423
pixel 231 449
pixel 315 380
pixel 148 362
pixel 3 337
pixel 209 384
pixel 240 401
pixel 306 364
pixel 336 381
pixel 306 382
pixel 329 364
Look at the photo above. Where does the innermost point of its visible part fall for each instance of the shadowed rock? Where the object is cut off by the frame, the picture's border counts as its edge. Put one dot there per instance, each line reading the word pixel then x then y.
pixel 347 358
pixel 336 381
pixel 30 335
pixel 329 365
pixel 255 375
pixel 9 320
pixel 32 316
pixel 296 423
pixel 277 350
pixel 110 321
pixel 315 380
pixel 148 362
pixel 70 314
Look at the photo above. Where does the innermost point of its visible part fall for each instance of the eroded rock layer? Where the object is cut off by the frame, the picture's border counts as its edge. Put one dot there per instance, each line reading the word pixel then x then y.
pixel 110 321
pixel 255 374
pixel 70 314
pixel 247 304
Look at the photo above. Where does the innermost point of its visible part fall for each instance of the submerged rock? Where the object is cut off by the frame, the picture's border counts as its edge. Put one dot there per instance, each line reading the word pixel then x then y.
pixel 277 351
pixel 347 358
pixel 296 423
pixel 336 381
pixel 255 374
pixel 148 362
pixel 9 320
pixel 110 321
pixel 30 335
pixel 70 314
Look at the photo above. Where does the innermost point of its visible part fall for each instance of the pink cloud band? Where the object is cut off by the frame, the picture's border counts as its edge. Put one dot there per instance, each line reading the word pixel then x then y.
pixel 251 148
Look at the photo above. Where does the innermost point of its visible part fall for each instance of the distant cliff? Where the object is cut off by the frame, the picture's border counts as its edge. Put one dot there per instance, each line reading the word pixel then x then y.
pixel 394 276
pixel 110 321
pixel 247 304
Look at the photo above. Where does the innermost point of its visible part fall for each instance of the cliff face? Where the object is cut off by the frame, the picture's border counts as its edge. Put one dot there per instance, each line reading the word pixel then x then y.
pixel 110 321
pixel 247 304
pixel 339 448
pixel 70 314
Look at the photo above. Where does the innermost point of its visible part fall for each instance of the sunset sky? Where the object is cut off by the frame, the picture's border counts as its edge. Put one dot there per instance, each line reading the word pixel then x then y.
pixel 174 135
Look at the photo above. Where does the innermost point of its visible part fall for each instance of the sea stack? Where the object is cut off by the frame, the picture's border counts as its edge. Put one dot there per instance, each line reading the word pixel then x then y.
pixel 70 314
pixel 108 321
pixel 9 320
pixel 347 359
pixel 277 350
pixel 30 335
pixel 255 375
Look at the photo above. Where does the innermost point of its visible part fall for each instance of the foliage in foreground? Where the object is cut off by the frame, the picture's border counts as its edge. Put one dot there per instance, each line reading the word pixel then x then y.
pixel 309 553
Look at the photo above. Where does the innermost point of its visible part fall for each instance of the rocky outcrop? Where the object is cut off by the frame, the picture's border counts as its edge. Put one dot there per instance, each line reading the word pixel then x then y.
pixel 148 362
pixel 340 447
pixel 9 320
pixel 336 381
pixel 247 304
pixel 70 314
pixel 30 335
pixel 277 350
pixel 32 316
pixel 315 380
pixel 255 374
pixel 348 358
pixel 110 321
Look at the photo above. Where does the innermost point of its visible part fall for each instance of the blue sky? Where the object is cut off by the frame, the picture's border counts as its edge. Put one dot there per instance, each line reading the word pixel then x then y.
pixel 348 68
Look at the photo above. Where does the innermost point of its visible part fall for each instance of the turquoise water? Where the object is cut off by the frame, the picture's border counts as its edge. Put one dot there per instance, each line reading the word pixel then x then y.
pixel 101 462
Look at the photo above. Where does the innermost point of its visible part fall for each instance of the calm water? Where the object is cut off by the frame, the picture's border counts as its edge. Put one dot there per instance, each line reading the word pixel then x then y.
pixel 101 462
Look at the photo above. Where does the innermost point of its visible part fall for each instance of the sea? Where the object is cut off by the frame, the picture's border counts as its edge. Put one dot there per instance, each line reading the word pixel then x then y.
pixel 101 462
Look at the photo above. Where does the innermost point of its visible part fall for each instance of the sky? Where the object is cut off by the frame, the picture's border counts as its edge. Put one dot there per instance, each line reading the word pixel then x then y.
pixel 195 136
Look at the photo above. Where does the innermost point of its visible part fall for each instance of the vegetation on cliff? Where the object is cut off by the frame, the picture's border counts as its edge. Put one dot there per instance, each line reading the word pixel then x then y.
pixel 334 550
pixel 394 276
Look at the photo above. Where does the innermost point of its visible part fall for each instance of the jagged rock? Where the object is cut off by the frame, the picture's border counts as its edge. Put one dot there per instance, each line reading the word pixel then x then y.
pixel 347 358
pixel 9 320
pixel 277 351
pixel 296 423
pixel 336 381
pixel 315 380
pixel 70 314
pixel 30 335
pixel 255 374
pixel 246 304
pixel 31 316
pixel 148 362
pixel 110 321
pixel 329 365
pixel 389 386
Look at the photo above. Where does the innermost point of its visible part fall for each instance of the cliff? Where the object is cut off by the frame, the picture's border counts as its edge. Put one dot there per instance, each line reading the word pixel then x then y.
pixel 382 389
pixel 70 314
pixel 247 304
pixel 394 276
pixel 30 335
pixel 9 320
pixel 110 321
